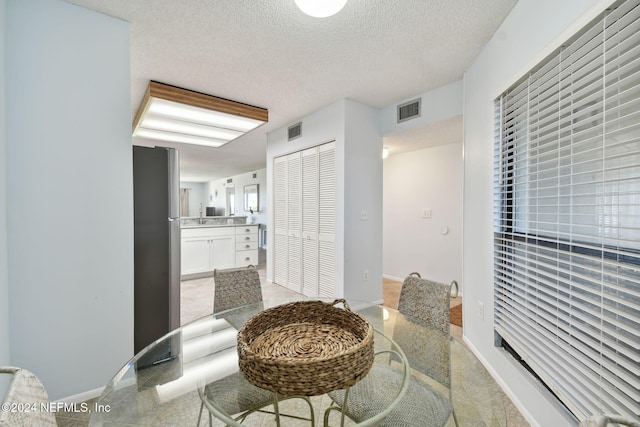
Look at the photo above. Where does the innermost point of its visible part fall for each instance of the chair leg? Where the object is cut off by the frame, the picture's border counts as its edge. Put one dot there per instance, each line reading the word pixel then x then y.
pixel 327 412
pixel 200 414
pixel 276 412
pixel 344 406
pixel 455 419
pixel 312 414
pixel 276 409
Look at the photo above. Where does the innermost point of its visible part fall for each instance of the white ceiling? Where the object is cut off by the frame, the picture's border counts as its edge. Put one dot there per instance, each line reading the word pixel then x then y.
pixel 269 54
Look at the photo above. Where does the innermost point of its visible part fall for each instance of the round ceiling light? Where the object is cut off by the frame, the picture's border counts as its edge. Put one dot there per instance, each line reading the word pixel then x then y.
pixel 320 8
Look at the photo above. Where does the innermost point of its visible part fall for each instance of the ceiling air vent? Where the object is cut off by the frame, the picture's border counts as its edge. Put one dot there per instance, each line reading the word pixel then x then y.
pixel 295 131
pixel 409 110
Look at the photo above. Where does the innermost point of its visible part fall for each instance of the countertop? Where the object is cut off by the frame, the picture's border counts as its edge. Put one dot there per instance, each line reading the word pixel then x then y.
pixel 215 225
pixel 212 221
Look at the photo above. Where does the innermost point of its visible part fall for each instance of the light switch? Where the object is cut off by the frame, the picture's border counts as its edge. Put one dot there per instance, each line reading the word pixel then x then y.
pixel 426 213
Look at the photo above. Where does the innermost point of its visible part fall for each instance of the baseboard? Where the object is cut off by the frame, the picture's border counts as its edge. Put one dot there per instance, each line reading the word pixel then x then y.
pixel 507 390
pixel 196 276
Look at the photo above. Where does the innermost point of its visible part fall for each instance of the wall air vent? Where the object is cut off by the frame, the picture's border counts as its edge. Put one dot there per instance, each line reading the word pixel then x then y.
pixel 409 110
pixel 229 180
pixel 295 131
pixel 255 175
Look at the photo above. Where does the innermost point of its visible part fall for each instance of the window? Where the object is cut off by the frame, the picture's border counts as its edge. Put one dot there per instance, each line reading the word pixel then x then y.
pixel 567 217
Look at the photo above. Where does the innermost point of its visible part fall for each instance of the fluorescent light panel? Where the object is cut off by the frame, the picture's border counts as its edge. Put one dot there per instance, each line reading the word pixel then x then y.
pixel 321 8
pixel 174 114
pixel 178 137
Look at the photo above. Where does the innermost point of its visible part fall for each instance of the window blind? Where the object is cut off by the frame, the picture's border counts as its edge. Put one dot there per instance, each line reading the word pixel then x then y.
pixel 567 217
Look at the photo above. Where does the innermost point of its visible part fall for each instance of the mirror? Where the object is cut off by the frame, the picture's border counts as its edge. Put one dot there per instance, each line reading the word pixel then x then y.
pixel 251 198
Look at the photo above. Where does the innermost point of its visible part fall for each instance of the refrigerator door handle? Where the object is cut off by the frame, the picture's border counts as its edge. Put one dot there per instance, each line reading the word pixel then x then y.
pixel 174 273
pixel 174 183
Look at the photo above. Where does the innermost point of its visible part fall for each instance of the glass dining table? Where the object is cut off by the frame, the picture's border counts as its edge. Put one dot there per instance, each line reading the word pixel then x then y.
pixel 163 384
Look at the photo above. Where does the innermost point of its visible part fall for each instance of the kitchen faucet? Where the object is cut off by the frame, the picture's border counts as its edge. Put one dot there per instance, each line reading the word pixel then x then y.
pixel 200 221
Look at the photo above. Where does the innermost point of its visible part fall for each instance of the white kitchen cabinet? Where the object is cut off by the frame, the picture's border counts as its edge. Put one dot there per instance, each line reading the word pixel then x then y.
pixel 223 251
pixel 194 255
pixel 246 245
pixel 204 249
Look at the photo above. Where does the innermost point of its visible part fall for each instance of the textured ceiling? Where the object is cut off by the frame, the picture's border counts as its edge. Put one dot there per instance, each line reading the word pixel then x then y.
pixel 269 54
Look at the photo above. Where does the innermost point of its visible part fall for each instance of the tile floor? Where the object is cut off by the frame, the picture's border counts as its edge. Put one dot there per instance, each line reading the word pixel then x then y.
pixel 197 301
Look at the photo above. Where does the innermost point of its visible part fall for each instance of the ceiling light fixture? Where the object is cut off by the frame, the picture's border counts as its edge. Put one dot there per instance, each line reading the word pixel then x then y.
pixel 170 113
pixel 321 8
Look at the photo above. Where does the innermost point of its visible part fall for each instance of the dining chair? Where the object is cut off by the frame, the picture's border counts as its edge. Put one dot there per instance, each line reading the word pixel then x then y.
pixel 235 287
pixel 426 300
pixel 25 388
pixel 608 420
pixel 428 351
pixel 428 303
pixel 375 403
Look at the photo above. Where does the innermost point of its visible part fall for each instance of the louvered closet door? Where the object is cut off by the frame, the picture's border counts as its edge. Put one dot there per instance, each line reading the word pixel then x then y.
pixel 310 222
pixel 327 220
pixel 294 222
pixel 280 238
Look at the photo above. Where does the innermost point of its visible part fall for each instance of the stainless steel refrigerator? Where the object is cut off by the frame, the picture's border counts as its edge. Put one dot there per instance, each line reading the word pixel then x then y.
pixel 156 192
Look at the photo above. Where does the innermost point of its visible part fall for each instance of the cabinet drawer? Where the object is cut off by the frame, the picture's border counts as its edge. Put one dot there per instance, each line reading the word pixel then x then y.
pixel 207 231
pixel 247 229
pixel 244 258
pixel 246 246
pixel 246 238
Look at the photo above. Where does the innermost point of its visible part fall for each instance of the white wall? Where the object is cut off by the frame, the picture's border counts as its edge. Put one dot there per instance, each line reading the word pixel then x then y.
pixel 354 129
pixel 69 151
pixel 4 279
pixel 526 36
pixel 239 181
pixel 437 104
pixel 414 181
pixel 362 184
pixel 197 195
pixel 218 196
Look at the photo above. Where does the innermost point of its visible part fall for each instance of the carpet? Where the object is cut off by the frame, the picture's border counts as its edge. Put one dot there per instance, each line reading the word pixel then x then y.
pixel 455 315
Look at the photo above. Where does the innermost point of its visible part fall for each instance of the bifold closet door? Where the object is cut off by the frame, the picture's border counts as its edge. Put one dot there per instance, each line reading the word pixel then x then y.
pixel 294 222
pixel 304 186
pixel 327 220
pixel 280 238
pixel 310 214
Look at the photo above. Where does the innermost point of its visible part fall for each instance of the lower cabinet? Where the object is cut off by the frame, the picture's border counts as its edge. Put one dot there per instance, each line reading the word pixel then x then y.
pixel 246 245
pixel 208 248
pixel 195 256
pixel 205 249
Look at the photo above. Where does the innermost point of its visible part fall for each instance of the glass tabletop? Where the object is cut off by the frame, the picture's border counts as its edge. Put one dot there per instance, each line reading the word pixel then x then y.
pixel 159 385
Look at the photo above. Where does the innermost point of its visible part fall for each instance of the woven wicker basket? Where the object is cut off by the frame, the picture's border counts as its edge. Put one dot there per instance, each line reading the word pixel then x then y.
pixel 305 348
